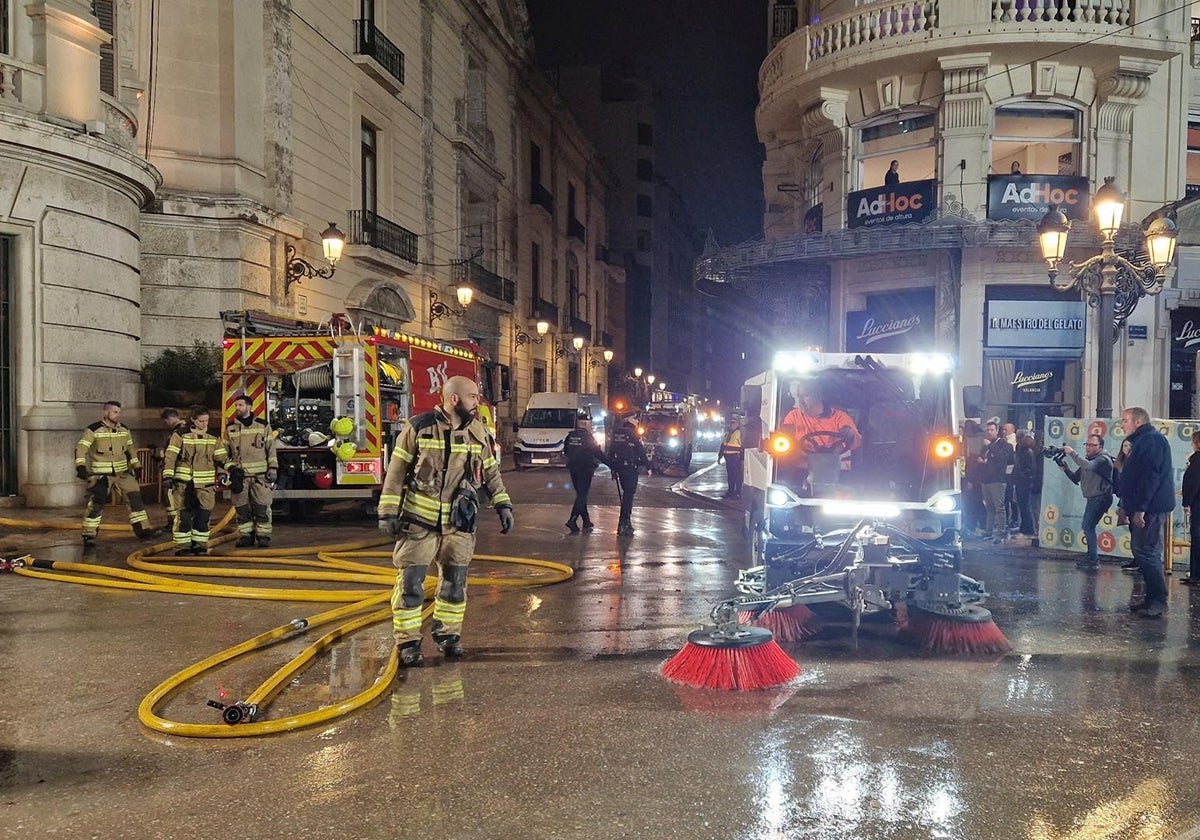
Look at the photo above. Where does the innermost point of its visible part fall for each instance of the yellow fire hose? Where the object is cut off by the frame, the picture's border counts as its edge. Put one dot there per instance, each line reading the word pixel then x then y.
pixel 336 563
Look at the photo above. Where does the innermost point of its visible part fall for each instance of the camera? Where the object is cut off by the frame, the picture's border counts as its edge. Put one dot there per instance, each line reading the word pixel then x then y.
pixel 1054 453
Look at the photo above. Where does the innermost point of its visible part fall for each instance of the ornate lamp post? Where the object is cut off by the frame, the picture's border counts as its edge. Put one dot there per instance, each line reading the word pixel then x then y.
pixel 1110 283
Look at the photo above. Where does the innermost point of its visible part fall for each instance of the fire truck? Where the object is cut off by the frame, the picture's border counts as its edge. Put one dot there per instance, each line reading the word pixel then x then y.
pixel 667 428
pixel 302 377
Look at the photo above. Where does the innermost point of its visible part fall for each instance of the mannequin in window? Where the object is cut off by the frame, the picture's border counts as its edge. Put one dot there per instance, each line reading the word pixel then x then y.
pixel 892 177
pixel 1016 168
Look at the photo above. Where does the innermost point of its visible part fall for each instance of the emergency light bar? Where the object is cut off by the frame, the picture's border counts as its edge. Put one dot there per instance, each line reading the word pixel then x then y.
pixel 796 361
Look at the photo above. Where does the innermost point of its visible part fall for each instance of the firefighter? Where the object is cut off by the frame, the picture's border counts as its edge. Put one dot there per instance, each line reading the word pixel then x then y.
pixel 731 452
pixel 175 425
pixel 583 455
pixel 626 457
pixel 430 503
pixel 190 473
pixel 105 458
pixel 253 470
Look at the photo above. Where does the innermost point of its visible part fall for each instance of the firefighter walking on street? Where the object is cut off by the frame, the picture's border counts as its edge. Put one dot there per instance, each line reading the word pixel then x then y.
pixel 626 457
pixel 190 473
pixel 440 464
pixel 105 458
pixel 253 470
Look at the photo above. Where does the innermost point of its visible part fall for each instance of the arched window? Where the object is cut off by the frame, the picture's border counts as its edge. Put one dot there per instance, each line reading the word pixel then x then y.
pixel 904 139
pixel 1037 138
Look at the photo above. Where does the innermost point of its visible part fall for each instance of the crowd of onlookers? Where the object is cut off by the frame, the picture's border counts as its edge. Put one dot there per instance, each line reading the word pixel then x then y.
pixel 1002 488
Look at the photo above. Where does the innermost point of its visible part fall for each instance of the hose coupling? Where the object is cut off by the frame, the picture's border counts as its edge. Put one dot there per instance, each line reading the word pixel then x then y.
pixel 299 624
pixel 235 713
pixel 9 565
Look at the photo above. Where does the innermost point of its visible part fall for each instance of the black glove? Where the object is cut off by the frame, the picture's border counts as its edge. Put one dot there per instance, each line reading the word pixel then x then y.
pixel 390 525
pixel 168 484
pixel 81 473
pixel 272 475
pixel 506 519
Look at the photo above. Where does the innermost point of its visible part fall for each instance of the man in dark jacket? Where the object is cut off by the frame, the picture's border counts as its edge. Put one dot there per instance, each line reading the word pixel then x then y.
pixel 1191 501
pixel 995 465
pixel 626 457
pixel 583 455
pixel 1148 497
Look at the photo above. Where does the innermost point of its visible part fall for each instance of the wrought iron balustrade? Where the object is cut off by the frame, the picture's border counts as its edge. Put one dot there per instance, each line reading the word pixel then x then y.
pixel 488 282
pixel 369 41
pixel 367 228
pixel 542 197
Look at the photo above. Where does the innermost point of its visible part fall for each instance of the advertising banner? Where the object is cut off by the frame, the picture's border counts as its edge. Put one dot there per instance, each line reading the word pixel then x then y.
pixel 1061 521
pixel 1014 197
pixel 1036 323
pixel 892 323
pixel 906 203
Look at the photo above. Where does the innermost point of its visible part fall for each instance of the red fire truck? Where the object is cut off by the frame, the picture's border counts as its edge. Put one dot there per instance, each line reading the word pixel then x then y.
pixel 301 376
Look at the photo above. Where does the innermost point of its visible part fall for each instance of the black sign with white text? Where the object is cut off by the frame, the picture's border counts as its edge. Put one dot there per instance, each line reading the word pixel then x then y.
pixel 902 204
pixel 892 323
pixel 1012 197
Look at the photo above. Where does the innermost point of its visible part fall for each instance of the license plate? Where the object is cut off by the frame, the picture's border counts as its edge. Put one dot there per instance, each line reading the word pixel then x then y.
pixel 539 460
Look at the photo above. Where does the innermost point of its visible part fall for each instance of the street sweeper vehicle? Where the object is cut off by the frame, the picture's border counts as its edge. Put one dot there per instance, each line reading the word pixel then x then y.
pixel 852 468
pixel 336 394
pixel 667 428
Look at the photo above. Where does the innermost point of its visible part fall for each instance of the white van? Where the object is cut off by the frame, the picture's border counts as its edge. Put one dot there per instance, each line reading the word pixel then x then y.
pixel 549 415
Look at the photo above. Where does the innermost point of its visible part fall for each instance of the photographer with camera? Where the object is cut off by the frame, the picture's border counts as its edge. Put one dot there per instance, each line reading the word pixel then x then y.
pixel 1095 479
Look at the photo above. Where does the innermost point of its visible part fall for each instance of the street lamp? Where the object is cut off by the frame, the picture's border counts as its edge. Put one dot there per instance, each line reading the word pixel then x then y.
pixel 1110 283
pixel 297 268
pixel 523 337
pixel 577 343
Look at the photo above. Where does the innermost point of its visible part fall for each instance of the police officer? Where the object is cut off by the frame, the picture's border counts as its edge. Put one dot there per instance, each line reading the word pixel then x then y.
pixel 626 457
pixel 441 462
pixel 105 458
pixel 583 455
pixel 253 470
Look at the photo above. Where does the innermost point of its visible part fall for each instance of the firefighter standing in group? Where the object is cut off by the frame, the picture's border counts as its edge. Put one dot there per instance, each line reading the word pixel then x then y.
pixel 253 470
pixel 105 458
pixel 430 502
pixel 175 426
pixel 626 456
pixel 190 473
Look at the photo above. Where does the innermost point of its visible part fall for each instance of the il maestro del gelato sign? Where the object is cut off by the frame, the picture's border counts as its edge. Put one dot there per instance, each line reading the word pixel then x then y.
pixel 1029 196
pixel 1036 323
pixel 900 204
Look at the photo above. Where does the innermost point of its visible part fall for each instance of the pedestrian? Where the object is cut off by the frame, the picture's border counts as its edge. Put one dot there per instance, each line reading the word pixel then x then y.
pixel 1148 497
pixel 1024 475
pixel 190 473
pixel 440 463
pixel 995 463
pixel 1122 520
pixel 891 178
pixel 1015 169
pixel 1012 514
pixel 1094 475
pixel 583 455
pixel 974 513
pixel 174 424
pixel 626 457
pixel 105 458
pixel 253 470
pixel 1191 500
pixel 732 453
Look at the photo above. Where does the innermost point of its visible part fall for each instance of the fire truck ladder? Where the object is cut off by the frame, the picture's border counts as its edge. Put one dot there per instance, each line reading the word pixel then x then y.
pixel 348 378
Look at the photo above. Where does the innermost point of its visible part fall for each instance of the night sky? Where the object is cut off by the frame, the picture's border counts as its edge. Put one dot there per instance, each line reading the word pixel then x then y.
pixel 702 57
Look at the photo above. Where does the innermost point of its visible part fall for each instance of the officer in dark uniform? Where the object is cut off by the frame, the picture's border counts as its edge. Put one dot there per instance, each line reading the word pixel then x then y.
pixel 583 455
pixel 626 457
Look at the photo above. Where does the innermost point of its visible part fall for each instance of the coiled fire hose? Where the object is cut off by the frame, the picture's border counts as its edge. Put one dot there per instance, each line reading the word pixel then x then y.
pixel 335 563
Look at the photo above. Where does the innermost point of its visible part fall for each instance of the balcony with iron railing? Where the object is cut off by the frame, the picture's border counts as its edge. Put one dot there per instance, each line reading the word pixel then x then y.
pixel 378 56
pixel 482 280
pixel 539 196
pixel 544 310
pixel 576 230
pixel 470 129
pixel 581 327
pixel 376 239
pixel 882 32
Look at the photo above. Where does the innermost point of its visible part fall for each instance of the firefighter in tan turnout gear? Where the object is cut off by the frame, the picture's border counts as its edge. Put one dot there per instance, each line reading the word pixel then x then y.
pixel 430 503
pixel 253 469
pixel 190 473
pixel 105 458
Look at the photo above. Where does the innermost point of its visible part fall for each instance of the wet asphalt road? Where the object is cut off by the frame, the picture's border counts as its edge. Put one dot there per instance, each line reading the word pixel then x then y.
pixel 557 724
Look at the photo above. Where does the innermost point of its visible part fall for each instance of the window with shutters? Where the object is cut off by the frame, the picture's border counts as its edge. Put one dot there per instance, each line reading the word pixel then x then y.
pixel 106 16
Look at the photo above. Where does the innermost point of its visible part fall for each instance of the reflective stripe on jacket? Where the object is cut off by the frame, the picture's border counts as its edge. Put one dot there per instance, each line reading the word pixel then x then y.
pixel 251 447
pixel 429 462
pixel 194 457
pixel 106 450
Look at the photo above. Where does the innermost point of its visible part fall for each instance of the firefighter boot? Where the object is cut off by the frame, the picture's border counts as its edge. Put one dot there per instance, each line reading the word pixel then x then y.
pixel 245 542
pixel 264 542
pixel 410 655
pixel 450 645
pixel 144 533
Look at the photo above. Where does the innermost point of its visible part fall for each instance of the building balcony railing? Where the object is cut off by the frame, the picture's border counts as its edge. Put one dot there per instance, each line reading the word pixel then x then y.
pixel 544 310
pixel 481 280
pixel 603 255
pixel 370 42
pixel 581 327
pixel 367 228
pixel 576 230
pixel 541 197
pixel 471 129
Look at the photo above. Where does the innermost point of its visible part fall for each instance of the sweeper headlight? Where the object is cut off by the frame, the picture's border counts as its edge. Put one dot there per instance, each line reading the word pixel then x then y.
pixel 641 430
pixel 779 496
pixel 673 443
pixel 944 501
pixel 779 444
pixel 945 448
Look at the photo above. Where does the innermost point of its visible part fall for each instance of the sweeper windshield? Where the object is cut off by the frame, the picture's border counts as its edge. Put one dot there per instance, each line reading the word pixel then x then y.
pixel 864 430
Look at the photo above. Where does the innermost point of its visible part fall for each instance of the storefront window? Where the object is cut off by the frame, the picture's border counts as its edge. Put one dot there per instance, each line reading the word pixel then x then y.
pixel 1036 138
pixel 1185 344
pixel 906 139
pixel 1024 390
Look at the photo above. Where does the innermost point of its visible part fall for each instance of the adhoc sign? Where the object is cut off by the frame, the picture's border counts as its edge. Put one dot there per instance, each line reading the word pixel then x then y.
pixel 892 323
pixel 1030 196
pixel 905 203
pixel 1036 323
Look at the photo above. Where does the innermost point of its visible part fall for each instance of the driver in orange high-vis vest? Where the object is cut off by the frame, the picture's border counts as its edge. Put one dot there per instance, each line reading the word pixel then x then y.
pixel 832 429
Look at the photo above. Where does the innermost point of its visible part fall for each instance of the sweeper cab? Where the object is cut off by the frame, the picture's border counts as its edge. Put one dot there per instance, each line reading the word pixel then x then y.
pixel 337 394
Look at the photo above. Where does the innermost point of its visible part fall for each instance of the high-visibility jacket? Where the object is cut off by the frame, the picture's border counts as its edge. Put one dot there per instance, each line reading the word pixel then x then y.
pixel 194 456
pixel 832 421
pixel 731 447
pixel 431 460
pixel 106 450
pixel 251 445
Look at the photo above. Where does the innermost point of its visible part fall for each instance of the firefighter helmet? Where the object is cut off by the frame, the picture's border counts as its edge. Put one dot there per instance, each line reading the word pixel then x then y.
pixel 341 426
pixel 345 451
